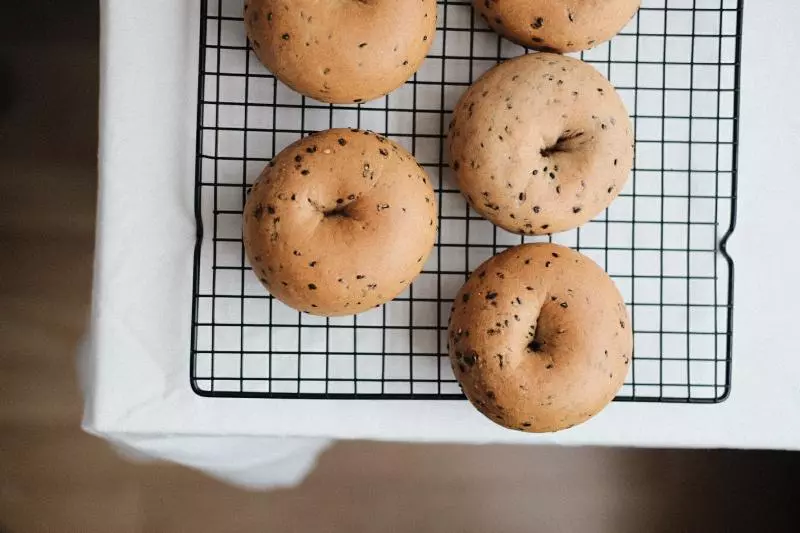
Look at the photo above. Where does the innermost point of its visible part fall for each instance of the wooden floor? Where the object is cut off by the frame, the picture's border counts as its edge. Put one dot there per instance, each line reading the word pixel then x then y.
pixel 53 478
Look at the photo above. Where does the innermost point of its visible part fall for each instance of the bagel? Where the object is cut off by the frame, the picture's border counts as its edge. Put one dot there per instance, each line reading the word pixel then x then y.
pixel 539 338
pixel 540 144
pixel 348 51
pixel 339 222
pixel 557 25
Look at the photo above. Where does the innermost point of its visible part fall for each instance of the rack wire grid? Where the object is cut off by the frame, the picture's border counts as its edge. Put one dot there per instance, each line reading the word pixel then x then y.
pixel 675 65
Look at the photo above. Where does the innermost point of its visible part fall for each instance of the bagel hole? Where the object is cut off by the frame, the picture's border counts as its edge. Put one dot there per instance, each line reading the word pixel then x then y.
pixel 561 144
pixel 340 211
pixel 535 346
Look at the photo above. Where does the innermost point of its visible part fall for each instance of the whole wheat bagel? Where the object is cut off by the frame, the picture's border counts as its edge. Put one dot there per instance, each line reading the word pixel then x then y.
pixel 343 51
pixel 540 338
pixel 557 25
pixel 541 144
pixel 339 222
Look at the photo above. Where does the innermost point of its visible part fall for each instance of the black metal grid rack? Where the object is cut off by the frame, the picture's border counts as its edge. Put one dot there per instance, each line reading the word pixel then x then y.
pixel 676 65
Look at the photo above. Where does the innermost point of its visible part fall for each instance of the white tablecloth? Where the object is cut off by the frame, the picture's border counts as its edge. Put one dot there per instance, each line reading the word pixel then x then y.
pixel 136 358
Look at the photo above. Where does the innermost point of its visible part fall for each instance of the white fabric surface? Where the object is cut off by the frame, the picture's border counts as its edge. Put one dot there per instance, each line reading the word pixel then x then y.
pixel 250 462
pixel 137 360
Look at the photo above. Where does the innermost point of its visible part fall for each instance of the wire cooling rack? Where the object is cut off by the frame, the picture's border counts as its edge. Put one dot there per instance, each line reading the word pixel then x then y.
pixel 676 66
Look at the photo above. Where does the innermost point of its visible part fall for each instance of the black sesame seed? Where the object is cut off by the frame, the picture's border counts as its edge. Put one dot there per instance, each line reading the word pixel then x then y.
pixel 469 359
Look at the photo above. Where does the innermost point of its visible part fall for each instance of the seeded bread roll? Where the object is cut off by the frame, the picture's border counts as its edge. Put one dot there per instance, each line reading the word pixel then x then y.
pixel 339 222
pixel 344 51
pixel 557 25
pixel 540 338
pixel 541 143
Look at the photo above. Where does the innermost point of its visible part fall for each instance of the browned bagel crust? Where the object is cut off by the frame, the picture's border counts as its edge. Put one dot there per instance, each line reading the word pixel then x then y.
pixel 340 222
pixel 343 51
pixel 540 338
pixel 541 144
pixel 557 25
